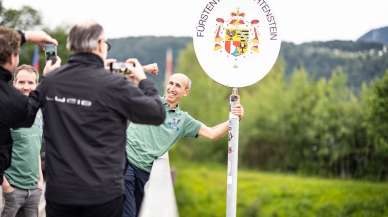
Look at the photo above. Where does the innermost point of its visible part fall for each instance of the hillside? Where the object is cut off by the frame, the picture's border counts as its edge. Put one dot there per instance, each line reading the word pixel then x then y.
pixel 361 61
pixel 379 35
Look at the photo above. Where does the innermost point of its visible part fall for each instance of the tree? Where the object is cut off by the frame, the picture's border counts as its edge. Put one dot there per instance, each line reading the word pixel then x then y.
pixel 28 18
pixel 25 18
pixel 378 125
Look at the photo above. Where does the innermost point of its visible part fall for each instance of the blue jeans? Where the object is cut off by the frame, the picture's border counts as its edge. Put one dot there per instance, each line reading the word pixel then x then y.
pixel 135 180
pixel 21 202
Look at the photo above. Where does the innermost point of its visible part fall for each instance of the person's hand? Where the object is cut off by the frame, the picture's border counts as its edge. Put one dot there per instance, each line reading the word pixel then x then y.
pixel 151 68
pixel 40 185
pixel 39 37
pixel 238 110
pixel 50 67
pixel 137 71
pixel 6 186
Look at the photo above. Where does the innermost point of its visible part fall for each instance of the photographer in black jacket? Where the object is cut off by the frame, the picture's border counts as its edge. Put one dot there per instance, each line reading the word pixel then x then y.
pixel 13 105
pixel 85 111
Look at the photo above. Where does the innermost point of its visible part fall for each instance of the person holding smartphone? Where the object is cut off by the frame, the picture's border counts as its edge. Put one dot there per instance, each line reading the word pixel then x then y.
pixel 14 106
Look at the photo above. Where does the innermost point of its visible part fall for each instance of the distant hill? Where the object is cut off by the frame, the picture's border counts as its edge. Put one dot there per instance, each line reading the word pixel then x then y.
pixel 362 61
pixel 379 35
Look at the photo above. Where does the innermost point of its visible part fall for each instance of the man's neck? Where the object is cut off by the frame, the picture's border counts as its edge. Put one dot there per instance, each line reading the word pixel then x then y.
pixel 8 67
pixel 172 105
pixel 98 54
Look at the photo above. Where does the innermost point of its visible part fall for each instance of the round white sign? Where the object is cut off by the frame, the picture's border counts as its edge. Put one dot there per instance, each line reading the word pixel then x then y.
pixel 236 42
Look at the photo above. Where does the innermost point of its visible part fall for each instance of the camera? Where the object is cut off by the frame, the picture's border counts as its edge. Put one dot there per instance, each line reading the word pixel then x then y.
pixel 50 51
pixel 121 68
pixel 127 68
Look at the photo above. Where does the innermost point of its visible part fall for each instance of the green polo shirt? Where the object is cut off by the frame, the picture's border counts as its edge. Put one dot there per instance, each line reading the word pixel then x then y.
pixel 145 143
pixel 27 142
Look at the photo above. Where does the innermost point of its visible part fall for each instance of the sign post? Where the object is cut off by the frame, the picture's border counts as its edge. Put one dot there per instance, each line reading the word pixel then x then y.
pixel 236 44
pixel 231 183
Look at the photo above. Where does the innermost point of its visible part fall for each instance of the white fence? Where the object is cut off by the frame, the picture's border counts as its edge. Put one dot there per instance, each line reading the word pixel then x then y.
pixel 159 199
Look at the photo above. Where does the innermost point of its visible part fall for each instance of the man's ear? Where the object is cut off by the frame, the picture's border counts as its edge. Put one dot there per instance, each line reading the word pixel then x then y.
pixel 13 59
pixel 187 92
pixel 13 62
pixel 99 46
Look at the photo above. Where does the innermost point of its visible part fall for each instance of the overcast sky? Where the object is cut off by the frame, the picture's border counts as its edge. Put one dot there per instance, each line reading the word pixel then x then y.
pixel 298 20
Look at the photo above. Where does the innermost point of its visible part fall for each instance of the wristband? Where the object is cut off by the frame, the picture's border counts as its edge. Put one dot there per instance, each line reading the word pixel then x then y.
pixel 22 37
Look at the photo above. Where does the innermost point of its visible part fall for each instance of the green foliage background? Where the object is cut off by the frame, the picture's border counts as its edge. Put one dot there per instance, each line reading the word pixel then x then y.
pixel 296 124
pixel 276 195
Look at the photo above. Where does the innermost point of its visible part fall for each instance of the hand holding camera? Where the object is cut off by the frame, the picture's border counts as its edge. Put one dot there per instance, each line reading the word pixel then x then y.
pixel 50 51
pixel 137 72
pixel 132 69
pixel 52 60
pixel 126 68
pixel 50 66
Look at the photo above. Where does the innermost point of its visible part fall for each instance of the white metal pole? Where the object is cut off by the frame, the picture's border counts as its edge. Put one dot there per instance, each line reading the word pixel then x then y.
pixel 231 191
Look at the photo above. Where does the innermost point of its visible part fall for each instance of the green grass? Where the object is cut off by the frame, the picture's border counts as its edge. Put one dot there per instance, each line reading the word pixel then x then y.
pixel 201 192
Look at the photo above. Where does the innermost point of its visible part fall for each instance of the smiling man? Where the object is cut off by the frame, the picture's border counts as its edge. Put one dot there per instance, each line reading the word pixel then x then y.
pixel 146 143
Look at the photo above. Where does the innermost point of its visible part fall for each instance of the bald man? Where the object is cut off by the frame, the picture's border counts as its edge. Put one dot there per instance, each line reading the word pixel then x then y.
pixel 146 143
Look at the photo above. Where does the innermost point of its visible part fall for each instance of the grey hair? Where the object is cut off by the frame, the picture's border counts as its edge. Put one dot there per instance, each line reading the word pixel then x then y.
pixel 84 37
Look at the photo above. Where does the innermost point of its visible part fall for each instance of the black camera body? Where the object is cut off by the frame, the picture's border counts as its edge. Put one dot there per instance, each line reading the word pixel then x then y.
pixel 50 51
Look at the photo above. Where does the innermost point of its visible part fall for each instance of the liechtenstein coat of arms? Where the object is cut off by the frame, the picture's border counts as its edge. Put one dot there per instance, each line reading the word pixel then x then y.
pixel 236 42
pixel 236 35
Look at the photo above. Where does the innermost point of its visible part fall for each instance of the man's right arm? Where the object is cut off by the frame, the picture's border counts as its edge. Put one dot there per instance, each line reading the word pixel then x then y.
pixel 31 108
pixel 35 98
pixel 138 104
pixel 36 37
pixel 221 129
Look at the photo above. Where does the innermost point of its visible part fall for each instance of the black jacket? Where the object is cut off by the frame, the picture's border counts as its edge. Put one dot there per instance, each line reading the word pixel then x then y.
pixel 85 111
pixel 13 111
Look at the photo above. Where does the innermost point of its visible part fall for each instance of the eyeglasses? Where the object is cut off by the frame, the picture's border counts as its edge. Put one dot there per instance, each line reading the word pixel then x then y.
pixel 109 46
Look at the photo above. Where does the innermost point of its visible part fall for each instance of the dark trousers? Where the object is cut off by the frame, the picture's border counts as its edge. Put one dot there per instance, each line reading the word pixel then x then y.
pixel 113 208
pixel 135 180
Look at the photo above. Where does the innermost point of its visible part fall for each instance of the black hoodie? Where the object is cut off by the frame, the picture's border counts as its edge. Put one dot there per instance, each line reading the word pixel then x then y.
pixel 85 111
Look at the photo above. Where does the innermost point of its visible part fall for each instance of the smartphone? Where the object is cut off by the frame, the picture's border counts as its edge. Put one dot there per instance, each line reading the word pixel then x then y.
pixel 50 51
